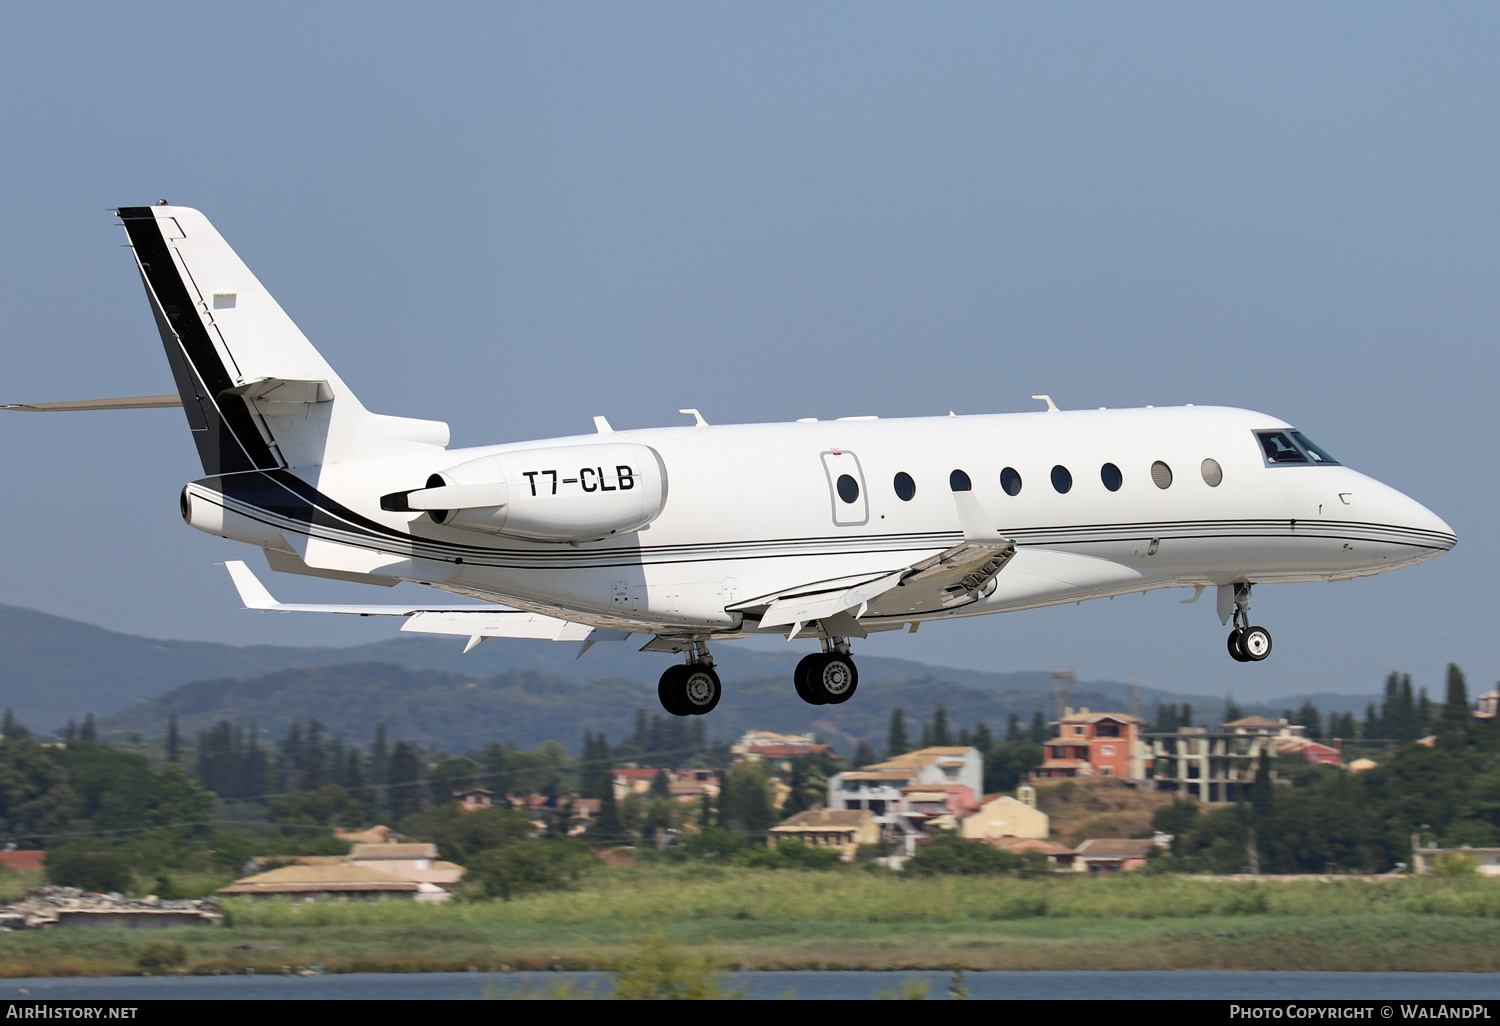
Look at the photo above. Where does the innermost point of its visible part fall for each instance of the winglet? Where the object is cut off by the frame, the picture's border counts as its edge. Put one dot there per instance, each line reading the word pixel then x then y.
pixel 971 519
pixel 252 593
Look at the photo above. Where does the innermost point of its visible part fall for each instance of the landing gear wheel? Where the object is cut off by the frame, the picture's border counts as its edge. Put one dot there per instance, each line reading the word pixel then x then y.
pixel 1235 637
pixel 670 691
pixel 832 679
pixel 700 689
pixel 1255 643
pixel 802 674
pixel 689 690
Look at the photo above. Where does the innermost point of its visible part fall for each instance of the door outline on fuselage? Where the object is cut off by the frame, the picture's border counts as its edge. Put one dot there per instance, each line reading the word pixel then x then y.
pixel 836 463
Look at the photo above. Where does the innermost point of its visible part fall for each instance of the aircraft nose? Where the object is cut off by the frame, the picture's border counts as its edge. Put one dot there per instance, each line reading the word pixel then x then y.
pixel 1421 525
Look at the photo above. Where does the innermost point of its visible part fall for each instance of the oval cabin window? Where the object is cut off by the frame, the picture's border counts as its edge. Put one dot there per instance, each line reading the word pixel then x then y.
pixel 1111 476
pixel 848 488
pixel 1212 473
pixel 959 481
pixel 1062 479
pixel 1161 475
pixel 1010 481
pixel 905 487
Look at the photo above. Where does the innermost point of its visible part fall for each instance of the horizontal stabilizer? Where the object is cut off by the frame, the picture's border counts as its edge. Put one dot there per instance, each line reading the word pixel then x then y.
pixel 472 622
pixel 255 596
pixel 139 402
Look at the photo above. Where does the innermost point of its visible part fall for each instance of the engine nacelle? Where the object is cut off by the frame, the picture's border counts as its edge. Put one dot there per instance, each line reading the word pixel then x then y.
pixel 570 493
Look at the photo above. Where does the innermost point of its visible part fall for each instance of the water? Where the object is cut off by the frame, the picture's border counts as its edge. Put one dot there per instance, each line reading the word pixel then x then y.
pixel 815 986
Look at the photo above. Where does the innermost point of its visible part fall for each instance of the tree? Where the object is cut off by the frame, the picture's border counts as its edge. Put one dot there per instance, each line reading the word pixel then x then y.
pixel 174 740
pixel 1455 714
pixel 948 853
pixel 36 797
pixel 895 738
pixel 1232 710
pixel 607 827
pixel 526 866
pixel 745 802
pixel 941 737
pixel 406 778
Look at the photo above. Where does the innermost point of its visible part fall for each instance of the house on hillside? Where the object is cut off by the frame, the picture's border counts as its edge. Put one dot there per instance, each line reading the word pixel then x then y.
pixel 337 881
pixel 1060 855
pixel 765 744
pixel 1003 816
pixel 1486 860
pixel 1214 767
pixel 844 829
pixel 1094 744
pixel 416 862
pixel 1099 856
pixel 475 799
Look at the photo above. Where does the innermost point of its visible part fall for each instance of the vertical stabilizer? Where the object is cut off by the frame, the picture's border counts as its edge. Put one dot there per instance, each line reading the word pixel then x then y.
pixel 257 394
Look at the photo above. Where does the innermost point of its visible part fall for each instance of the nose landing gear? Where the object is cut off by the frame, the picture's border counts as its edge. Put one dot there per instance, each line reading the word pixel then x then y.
pixel 1247 644
pixel 692 689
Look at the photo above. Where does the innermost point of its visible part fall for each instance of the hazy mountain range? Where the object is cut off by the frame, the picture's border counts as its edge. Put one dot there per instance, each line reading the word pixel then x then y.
pixel 428 691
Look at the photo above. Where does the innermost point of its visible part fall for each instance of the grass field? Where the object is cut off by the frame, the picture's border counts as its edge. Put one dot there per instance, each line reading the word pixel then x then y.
pixel 836 920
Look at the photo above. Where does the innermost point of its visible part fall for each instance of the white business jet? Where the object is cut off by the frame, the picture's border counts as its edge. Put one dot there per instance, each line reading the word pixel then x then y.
pixel 825 530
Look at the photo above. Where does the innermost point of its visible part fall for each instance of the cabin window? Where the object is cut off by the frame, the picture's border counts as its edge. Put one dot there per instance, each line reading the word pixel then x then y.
pixel 1062 480
pixel 1010 481
pixel 1213 474
pixel 1111 476
pixel 1314 453
pixel 848 488
pixel 905 487
pixel 959 481
pixel 1161 475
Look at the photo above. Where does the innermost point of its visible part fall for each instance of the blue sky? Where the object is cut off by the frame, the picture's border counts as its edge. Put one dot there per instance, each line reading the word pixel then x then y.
pixel 516 216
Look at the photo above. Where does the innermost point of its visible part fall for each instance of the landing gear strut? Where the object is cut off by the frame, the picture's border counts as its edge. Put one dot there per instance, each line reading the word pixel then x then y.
pixel 828 677
pixel 1247 644
pixel 692 689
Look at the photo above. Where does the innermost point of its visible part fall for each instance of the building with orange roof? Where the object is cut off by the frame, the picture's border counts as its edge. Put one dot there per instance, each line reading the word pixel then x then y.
pixel 1094 744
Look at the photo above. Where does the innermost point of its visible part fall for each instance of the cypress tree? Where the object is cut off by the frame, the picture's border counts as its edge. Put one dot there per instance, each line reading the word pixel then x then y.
pixel 1038 728
pixel 87 731
pixel 174 742
pixel 941 738
pixel 895 739
pixel 1456 702
pixel 1013 728
pixel 1406 712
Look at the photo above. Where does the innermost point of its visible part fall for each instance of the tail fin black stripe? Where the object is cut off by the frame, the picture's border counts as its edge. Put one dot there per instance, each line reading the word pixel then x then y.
pixel 224 427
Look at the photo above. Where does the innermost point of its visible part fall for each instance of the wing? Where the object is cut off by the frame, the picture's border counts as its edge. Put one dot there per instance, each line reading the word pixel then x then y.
pixel 953 577
pixel 474 622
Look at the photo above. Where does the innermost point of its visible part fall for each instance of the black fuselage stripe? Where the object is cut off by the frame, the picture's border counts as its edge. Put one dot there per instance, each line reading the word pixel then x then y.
pixel 395 543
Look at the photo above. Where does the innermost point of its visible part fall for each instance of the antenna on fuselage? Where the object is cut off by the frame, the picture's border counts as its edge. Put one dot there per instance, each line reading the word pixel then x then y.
pixel 1051 406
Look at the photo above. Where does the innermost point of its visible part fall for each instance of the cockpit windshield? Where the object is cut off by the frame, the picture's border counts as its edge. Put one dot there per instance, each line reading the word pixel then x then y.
pixel 1278 447
pixel 1291 447
pixel 1313 452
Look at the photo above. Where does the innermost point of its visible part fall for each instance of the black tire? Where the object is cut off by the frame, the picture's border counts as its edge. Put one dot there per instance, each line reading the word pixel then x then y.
pixel 669 690
pixel 699 690
pixel 1234 645
pixel 832 679
pixel 802 674
pixel 1256 644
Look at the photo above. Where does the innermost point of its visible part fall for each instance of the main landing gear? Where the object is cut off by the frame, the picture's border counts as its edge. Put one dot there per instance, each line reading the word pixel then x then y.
pixel 828 677
pixel 692 689
pixel 1247 644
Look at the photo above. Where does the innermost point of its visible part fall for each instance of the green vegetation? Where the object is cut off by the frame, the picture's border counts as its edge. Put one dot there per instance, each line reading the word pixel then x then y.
pixel 839 919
